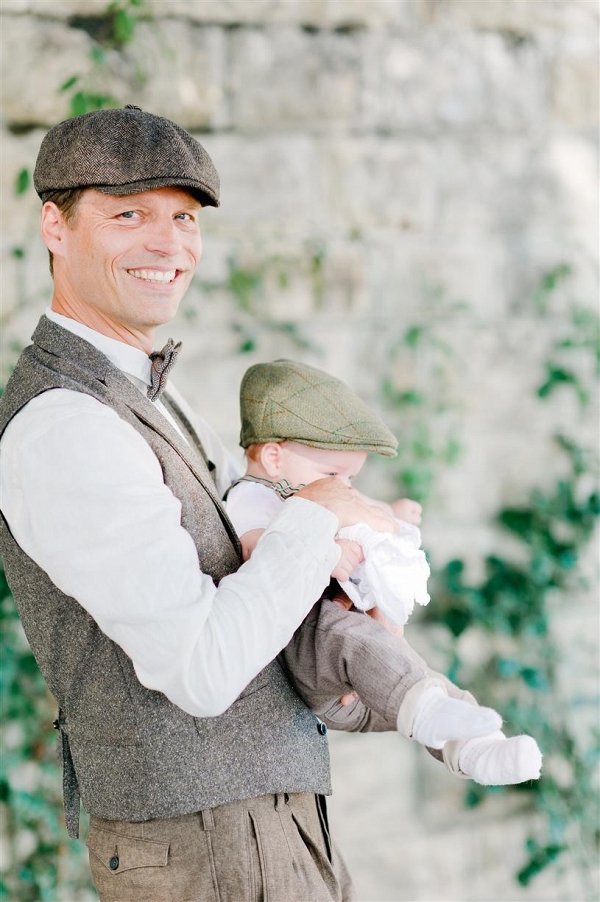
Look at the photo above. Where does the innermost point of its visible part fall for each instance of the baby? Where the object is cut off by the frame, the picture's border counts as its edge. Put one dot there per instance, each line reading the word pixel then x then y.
pixel 300 425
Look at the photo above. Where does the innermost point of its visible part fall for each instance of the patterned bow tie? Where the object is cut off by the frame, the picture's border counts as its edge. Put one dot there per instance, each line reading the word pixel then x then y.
pixel 162 364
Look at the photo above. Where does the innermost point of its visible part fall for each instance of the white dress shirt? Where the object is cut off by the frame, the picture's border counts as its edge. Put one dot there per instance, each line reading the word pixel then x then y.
pixel 82 493
pixel 394 572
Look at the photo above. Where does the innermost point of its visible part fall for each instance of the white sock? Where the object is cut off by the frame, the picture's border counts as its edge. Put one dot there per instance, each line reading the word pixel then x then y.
pixel 497 761
pixel 440 718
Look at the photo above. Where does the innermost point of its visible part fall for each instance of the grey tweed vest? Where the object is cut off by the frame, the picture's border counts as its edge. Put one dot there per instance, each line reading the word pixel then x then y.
pixel 128 752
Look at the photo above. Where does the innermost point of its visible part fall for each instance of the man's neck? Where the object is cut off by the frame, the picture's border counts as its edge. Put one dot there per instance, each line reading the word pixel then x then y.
pixel 97 321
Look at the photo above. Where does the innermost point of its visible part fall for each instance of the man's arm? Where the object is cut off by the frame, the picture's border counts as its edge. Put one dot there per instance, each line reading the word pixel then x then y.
pixel 84 497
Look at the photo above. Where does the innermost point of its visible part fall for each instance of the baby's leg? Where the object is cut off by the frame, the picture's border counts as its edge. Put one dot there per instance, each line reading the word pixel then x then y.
pixel 335 651
pixel 491 760
pixel 495 760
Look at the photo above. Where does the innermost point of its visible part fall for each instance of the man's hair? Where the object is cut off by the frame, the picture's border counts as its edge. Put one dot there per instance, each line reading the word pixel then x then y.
pixel 66 201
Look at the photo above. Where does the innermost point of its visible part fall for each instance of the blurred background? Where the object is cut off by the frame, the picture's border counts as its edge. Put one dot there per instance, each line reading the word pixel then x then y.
pixel 409 201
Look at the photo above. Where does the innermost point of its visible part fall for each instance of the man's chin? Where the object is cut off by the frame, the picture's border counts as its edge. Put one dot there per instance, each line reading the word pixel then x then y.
pixel 160 312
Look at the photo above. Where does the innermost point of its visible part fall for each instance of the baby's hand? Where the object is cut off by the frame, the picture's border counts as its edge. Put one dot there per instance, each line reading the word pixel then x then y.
pixel 352 555
pixel 407 510
pixel 380 617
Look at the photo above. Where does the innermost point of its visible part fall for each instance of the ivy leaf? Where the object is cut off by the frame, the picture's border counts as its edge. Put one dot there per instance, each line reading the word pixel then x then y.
pixel 69 83
pixel 508 667
pixel 123 27
pixel 22 181
pixel 88 101
pixel 98 55
pixel 557 375
pixel 534 677
pixel 538 861
pixel 413 335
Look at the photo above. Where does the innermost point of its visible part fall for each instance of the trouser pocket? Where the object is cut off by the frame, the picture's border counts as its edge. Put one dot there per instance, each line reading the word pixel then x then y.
pixel 154 861
pixel 273 848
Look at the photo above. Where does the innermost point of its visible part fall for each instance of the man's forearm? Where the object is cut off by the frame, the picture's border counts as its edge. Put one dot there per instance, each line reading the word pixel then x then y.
pixel 85 498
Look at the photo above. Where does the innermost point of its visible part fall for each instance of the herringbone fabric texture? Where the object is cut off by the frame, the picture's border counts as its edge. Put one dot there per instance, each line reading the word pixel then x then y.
pixel 163 362
pixel 124 152
pixel 286 400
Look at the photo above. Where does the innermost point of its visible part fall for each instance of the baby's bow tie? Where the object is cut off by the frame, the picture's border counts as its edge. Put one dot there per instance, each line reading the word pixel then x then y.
pixel 162 364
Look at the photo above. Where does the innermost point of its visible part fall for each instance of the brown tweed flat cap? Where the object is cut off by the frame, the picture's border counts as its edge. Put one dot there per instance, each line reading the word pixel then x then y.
pixel 123 152
pixel 289 401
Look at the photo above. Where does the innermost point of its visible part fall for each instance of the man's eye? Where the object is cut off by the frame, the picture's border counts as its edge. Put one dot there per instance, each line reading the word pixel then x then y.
pixel 186 217
pixel 128 214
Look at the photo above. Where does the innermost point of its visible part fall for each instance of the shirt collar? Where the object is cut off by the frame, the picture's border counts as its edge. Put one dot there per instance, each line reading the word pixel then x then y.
pixel 133 362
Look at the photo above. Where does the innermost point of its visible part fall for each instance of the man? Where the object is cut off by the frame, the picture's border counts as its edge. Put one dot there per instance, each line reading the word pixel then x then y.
pixel 201 768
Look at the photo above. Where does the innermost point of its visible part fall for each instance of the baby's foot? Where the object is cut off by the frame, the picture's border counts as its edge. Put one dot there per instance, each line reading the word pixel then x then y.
pixel 440 718
pixel 497 761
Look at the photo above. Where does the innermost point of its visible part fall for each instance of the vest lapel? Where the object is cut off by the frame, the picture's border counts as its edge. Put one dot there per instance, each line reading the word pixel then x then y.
pixel 76 353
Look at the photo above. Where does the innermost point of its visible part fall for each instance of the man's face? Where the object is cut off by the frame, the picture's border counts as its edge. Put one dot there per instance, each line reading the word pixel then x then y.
pixel 123 264
pixel 302 464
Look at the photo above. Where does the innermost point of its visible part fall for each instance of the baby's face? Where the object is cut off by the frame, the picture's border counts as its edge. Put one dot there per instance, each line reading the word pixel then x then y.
pixel 301 465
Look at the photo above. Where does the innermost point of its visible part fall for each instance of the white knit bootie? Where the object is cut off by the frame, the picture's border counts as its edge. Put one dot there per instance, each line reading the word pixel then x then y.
pixel 439 718
pixel 497 761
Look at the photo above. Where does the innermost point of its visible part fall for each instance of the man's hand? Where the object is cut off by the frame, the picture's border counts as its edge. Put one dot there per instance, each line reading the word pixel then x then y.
pixel 347 504
pixel 350 558
pixel 407 510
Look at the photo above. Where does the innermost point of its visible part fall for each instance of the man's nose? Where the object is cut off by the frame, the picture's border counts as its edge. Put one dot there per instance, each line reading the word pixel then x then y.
pixel 164 238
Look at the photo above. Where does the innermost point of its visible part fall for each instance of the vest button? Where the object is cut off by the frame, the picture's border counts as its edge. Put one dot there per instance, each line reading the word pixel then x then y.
pixel 114 863
pixel 322 727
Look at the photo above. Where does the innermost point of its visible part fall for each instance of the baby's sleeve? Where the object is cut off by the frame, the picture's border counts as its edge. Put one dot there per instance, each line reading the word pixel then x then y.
pixel 250 506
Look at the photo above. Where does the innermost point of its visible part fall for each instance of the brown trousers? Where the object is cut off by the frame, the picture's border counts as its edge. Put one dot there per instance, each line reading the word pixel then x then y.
pixel 275 848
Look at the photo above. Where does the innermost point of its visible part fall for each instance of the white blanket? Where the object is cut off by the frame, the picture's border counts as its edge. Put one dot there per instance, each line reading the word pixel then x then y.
pixel 394 573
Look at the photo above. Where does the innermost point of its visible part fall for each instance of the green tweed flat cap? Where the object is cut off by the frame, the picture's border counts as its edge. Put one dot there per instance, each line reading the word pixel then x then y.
pixel 289 401
pixel 123 152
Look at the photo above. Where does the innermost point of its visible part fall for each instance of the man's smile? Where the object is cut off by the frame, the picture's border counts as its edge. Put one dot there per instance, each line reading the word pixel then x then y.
pixel 153 275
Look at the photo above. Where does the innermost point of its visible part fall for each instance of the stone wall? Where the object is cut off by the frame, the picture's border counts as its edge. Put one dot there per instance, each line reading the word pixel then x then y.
pixel 386 165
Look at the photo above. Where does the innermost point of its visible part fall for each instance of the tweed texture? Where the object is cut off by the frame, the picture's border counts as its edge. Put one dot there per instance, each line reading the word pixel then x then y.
pixel 287 400
pixel 162 363
pixel 129 751
pixel 123 152
pixel 274 847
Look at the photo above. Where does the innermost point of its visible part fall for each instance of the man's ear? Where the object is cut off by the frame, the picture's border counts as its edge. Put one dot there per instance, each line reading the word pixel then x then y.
pixel 54 227
pixel 270 458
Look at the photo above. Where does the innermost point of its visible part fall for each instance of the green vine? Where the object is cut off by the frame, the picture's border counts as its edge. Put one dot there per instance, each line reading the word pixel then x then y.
pixel 248 290
pixel 420 392
pixel 41 855
pixel 118 29
pixel 512 607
